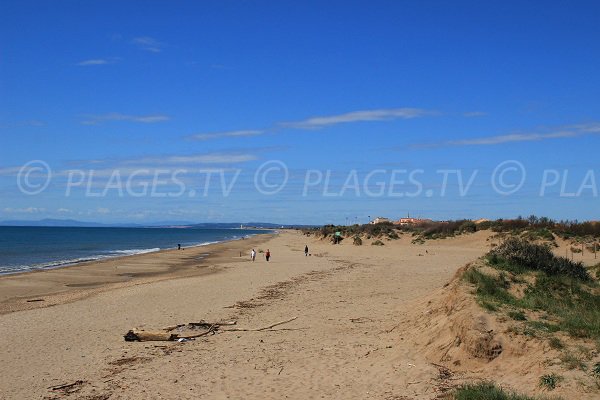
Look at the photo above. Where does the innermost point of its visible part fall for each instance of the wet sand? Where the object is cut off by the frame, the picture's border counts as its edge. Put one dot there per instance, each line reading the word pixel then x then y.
pixel 43 288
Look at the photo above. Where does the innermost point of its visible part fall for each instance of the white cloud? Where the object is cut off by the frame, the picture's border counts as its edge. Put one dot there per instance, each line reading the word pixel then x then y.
pixel 358 116
pixel 147 43
pixel 64 211
pixel 208 158
pixel 472 114
pixel 567 132
pixel 103 210
pixel 95 61
pixel 146 119
pixel 218 135
pixel 593 127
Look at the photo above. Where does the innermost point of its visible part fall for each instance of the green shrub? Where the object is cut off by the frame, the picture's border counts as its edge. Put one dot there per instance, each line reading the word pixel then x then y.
pixel 484 225
pixel 485 391
pixel 377 243
pixel 575 306
pixel 573 361
pixel 530 256
pixel 488 288
pixel 393 235
pixel 596 370
pixel 517 315
pixel 556 343
pixel 549 381
pixel 357 241
pixel 468 226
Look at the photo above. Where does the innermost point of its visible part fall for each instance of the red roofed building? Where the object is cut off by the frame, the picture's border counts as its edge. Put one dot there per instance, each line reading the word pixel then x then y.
pixel 412 221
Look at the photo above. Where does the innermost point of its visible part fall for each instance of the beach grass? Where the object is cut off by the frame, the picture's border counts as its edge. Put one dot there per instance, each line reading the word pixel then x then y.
pixel 558 288
pixel 487 391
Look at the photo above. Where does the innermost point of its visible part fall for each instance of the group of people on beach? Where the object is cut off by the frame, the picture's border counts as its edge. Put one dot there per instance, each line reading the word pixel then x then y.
pixel 253 255
pixel 268 254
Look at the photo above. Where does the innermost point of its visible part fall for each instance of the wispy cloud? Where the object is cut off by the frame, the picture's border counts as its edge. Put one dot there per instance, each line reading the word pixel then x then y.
pixel 126 166
pixel 358 116
pixel 97 61
pixel 146 119
pixel 218 135
pixel 473 114
pixel 195 159
pixel 566 132
pixel 147 43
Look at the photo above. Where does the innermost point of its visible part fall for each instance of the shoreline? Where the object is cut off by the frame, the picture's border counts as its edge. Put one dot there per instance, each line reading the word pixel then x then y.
pixel 26 290
pixel 51 265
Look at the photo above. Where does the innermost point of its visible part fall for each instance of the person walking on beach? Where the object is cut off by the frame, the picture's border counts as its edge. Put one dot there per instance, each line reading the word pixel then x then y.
pixel 253 254
pixel 306 250
pixel 268 255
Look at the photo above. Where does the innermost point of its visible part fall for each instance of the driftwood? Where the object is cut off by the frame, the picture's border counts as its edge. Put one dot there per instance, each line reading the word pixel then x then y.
pixel 264 328
pixel 167 334
pixel 68 387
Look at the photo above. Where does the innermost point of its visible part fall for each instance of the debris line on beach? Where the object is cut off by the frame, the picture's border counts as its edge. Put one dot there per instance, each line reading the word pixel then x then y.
pixel 190 331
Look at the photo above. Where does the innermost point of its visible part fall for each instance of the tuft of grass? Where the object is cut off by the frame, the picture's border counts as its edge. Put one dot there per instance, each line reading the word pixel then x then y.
pixel 488 306
pixel 573 304
pixel 377 243
pixel 556 343
pixel 357 241
pixel 517 315
pixel 543 326
pixel 596 370
pixel 489 289
pixel 550 381
pixel 486 391
pixel 573 361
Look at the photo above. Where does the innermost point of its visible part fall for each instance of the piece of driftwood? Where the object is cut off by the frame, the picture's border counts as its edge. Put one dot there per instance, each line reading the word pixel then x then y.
pixel 199 324
pixel 264 328
pixel 67 387
pixel 140 335
pixel 167 334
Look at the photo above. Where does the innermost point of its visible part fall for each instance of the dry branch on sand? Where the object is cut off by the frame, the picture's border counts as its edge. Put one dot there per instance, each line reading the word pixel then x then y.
pixel 167 334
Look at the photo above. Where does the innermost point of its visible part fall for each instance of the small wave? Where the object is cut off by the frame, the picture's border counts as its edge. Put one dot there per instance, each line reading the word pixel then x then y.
pixel 13 269
pixel 134 251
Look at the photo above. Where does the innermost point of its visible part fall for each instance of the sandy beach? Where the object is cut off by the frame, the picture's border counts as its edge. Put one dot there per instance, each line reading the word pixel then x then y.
pixel 365 327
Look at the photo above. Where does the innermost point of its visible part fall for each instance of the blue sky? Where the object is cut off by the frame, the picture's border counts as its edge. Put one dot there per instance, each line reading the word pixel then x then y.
pixel 343 101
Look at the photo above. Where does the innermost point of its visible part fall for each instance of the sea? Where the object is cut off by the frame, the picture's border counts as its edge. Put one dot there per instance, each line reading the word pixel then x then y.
pixel 24 248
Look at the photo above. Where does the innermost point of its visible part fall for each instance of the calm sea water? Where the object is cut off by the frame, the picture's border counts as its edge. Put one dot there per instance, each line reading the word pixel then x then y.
pixel 30 248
